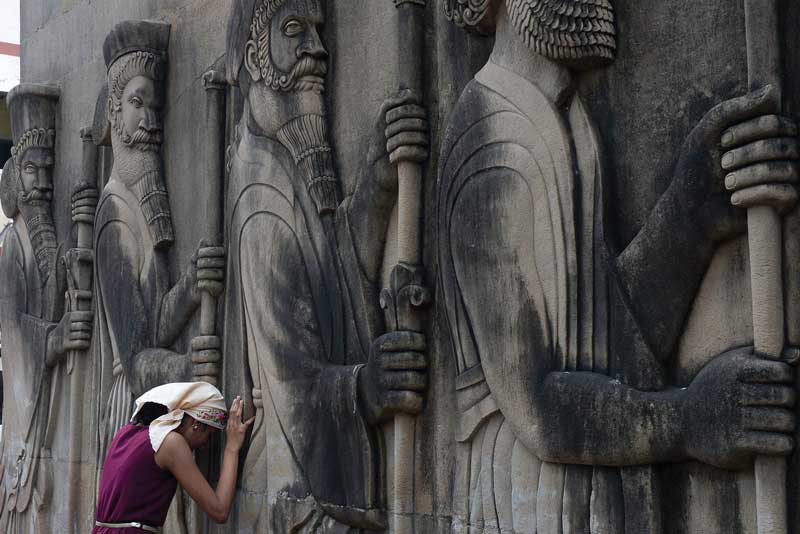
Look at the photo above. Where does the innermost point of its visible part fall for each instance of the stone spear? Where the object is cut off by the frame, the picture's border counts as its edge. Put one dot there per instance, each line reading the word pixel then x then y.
pixel 766 262
pixel 214 83
pixel 406 295
pixel 80 272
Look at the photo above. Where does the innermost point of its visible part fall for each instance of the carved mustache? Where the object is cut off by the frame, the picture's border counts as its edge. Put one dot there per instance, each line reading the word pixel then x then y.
pixel 144 137
pixel 310 66
pixel 37 194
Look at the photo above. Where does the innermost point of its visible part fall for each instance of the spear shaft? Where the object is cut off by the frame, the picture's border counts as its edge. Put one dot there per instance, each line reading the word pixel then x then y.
pixel 766 261
pixel 214 83
pixel 410 43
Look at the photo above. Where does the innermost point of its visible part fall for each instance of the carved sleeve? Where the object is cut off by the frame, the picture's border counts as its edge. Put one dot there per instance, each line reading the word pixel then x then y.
pixel 565 417
pixel 289 362
pixel 660 272
pixel 130 321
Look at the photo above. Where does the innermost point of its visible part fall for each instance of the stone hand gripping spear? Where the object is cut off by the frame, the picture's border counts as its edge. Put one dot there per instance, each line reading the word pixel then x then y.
pixel 406 296
pixel 766 276
pixel 80 269
pixel 207 369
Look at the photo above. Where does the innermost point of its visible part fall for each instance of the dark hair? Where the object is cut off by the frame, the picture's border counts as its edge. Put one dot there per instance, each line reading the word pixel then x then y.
pixel 149 413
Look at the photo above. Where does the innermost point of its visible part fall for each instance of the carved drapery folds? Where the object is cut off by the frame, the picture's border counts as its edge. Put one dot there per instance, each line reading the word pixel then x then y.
pixel 540 325
pixel 30 308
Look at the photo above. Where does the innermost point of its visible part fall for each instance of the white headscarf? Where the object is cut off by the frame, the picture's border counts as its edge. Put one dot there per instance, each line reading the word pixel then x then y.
pixel 199 400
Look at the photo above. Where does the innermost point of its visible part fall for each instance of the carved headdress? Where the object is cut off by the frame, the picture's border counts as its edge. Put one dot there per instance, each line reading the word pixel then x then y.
pixel 33 110
pixel 135 48
pixel 139 48
pixel 33 122
pixel 579 33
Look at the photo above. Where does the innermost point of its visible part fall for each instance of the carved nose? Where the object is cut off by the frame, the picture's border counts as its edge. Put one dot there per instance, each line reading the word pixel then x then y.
pixel 313 46
pixel 150 122
pixel 42 180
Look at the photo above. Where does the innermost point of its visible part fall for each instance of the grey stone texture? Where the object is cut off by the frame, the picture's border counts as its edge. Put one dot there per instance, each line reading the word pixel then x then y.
pixel 604 386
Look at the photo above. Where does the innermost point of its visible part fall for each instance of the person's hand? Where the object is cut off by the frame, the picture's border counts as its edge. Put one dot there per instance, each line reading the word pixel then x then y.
pixel 401 132
pixel 237 429
pixel 738 407
pixel 205 358
pixel 207 269
pixel 395 378
pixel 73 332
pixel 742 147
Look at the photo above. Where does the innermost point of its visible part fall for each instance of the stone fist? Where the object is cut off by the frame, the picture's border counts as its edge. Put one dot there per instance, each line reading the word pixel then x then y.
pixel 208 269
pixel 395 378
pixel 206 358
pixel 401 131
pixel 739 147
pixel 761 162
pixel 73 332
pixel 738 407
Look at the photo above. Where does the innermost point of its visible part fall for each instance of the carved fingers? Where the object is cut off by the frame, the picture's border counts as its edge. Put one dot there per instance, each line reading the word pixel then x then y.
pixel 395 378
pixel 741 109
pixel 406 128
pixel 760 155
pixel 78 333
pixel 206 356
pixel 741 406
pixel 209 263
pixel 761 159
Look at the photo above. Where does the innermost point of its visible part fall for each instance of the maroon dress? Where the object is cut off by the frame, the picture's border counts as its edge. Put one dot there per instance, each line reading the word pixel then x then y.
pixel 133 487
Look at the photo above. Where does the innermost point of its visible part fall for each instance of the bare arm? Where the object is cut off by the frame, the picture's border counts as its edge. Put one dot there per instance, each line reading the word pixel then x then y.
pixel 176 457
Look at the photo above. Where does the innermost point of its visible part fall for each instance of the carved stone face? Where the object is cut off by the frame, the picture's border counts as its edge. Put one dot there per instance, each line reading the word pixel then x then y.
pixel 137 118
pixel 35 172
pixel 291 56
pixel 294 36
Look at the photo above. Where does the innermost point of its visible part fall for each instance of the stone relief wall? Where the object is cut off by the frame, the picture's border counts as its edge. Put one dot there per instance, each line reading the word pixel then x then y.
pixel 564 334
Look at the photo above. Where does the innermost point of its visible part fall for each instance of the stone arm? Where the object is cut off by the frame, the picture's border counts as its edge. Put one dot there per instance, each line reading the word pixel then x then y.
pixel 130 320
pixel 660 271
pixel 177 308
pixel 368 211
pixel 293 363
pixel 565 417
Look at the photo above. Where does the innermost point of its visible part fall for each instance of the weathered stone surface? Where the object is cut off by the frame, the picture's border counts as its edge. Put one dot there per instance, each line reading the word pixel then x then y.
pixel 585 354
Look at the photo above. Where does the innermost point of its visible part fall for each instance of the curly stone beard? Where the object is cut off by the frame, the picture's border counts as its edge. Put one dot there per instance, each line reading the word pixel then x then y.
pixel 578 33
pixel 137 161
pixel 141 139
pixel 35 210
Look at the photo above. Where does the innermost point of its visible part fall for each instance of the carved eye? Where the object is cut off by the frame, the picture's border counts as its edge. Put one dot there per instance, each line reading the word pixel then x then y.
pixel 29 167
pixel 136 101
pixel 292 28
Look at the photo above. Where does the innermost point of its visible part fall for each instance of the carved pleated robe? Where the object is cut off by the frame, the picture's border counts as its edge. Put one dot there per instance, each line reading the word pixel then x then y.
pixel 27 314
pixel 523 271
pixel 292 346
pixel 131 280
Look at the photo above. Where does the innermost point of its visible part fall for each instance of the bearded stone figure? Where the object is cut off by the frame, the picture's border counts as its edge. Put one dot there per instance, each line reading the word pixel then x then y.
pixel 36 331
pixel 302 308
pixel 528 281
pixel 139 312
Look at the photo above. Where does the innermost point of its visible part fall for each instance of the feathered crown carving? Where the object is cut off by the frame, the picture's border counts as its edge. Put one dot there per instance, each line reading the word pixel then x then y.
pixel 35 137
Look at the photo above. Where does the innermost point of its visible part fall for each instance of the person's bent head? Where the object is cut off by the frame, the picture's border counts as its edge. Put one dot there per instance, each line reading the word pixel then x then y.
pixel 194 410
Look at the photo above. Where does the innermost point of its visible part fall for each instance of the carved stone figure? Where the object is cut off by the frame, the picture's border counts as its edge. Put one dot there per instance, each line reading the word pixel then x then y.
pixel 527 281
pixel 139 312
pixel 36 331
pixel 302 304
